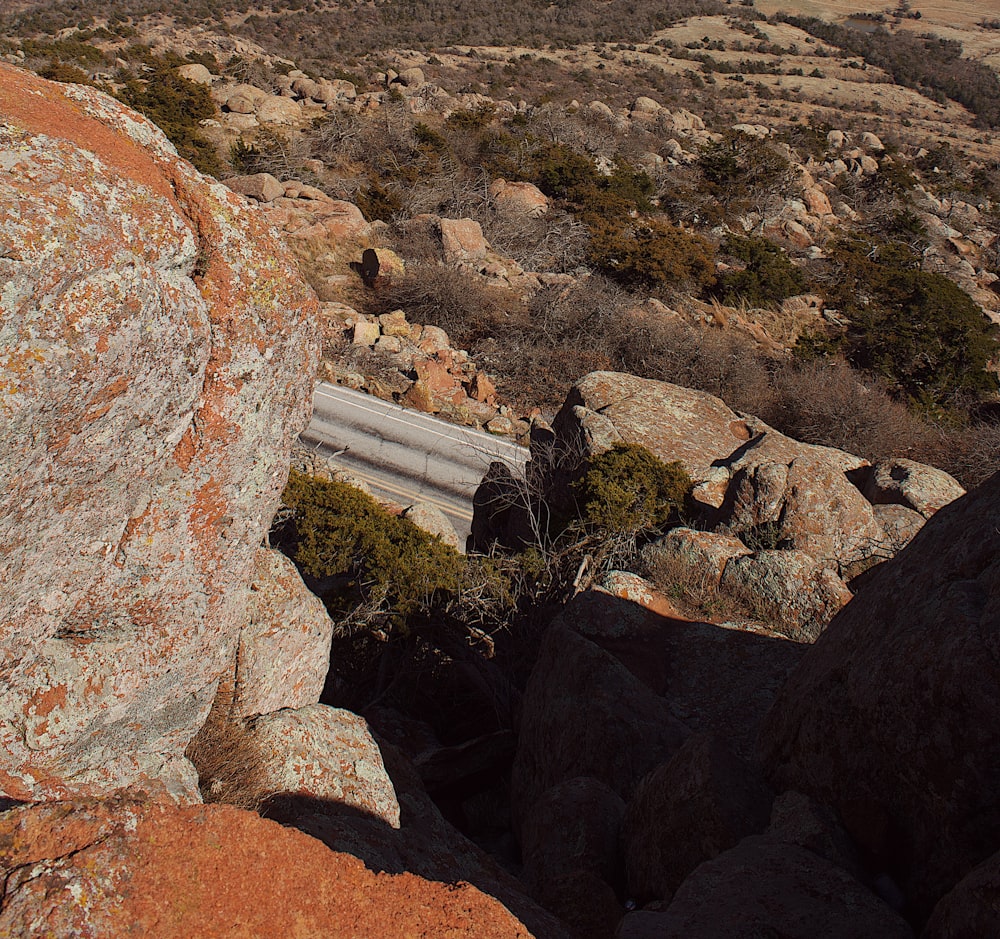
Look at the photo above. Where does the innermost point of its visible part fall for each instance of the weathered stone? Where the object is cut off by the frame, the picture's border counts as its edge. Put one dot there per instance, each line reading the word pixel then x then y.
pixel 240 103
pixel 870 141
pixel 426 845
pixel 716 678
pixel 575 825
pixel 390 346
pixel 365 333
pixel 284 649
pixel 790 589
pixel 764 888
pixel 197 73
pixel 584 714
pixel 808 504
pixel 433 339
pixel 972 908
pixel 899 523
pixel 432 520
pixel 462 239
pixel 890 718
pixel 394 324
pixel 326 756
pixel 690 810
pixel 483 389
pixel 799 820
pixel 626 585
pixel 333 90
pixel 329 220
pixel 518 199
pixel 418 396
pixel 501 425
pixel 644 105
pixel 918 486
pixel 411 77
pixel 673 422
pixel 275 109
pixel 817 201
pixel 305 87
pixel 127 867
pixel 159 352
pixel 260 186
pixel 587 904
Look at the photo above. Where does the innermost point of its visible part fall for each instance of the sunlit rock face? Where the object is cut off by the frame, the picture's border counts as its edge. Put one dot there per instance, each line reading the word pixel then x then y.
pixel 156 361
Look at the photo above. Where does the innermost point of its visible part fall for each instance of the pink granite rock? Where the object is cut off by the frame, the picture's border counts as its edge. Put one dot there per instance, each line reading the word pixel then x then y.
pixel 157 365
pixel 284 648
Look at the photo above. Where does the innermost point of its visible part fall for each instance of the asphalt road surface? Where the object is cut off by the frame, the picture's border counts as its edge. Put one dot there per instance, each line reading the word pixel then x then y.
pixel 407 456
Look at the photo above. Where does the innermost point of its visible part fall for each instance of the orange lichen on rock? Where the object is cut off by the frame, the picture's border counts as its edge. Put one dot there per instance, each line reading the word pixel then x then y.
pixel 132 867
pixel 159 366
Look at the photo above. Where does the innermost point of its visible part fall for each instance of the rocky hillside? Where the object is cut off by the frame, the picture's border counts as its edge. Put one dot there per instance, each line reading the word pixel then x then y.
pixel 753 207
pixel 719 661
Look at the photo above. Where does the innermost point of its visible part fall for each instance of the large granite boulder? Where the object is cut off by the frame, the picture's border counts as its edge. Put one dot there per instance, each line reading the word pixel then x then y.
pixel 157 352
pixel 322 759
pixel 585 714
pixel 129 866
pixel 891 716
pixel 972 909
pixel 605 408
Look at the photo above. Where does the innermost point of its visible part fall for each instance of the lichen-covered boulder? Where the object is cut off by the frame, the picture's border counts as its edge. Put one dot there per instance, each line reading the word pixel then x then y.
pixel 790 590
pixel 283 654
pixel 157 353
pixel 129 866
pixel 675 423
pixel 322 755
pixel 920 487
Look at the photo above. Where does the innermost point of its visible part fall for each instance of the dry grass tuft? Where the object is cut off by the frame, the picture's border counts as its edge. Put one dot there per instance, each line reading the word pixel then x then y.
pixel 228 762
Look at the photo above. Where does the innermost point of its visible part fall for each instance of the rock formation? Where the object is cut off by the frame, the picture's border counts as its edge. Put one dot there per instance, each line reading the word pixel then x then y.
pixel 158 354
pixel 790 522
pixel 890 717
pixel 130 866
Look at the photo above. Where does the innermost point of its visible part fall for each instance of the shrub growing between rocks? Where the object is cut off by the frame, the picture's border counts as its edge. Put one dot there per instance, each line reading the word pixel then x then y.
pixel 337 531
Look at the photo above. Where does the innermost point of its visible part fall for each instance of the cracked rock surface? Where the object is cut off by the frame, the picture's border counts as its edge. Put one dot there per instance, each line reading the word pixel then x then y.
pixel 156 363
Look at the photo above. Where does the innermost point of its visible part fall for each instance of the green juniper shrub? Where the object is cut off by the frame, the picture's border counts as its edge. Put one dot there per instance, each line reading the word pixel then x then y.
pixel 629 489
pixel 916 328
pixel 64 72
pixel 176 106
pixel 650 252
pixel 768 276
pixel 336 531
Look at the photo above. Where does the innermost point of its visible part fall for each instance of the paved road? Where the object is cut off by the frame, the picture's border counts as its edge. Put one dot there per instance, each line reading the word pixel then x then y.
pixel 406 455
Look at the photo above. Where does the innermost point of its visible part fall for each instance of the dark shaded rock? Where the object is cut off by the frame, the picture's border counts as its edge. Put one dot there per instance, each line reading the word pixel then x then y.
pixel 701 803
pixel 891 717
pixel 763 888
pixel 575 825
pixel 585 714
pixel 718 679
pixel 800 820
pixel 972 909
